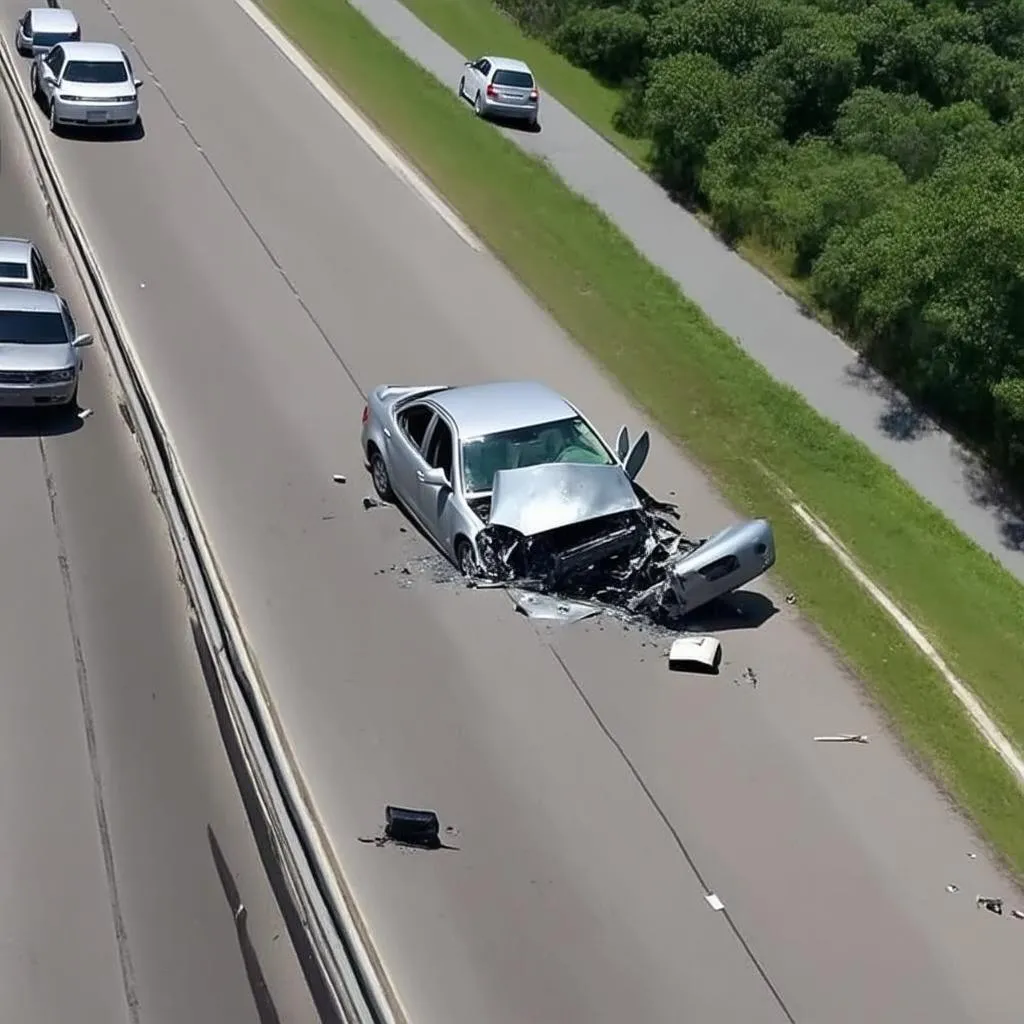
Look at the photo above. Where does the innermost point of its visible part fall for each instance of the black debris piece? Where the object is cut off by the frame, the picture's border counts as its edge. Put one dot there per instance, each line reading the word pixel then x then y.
pixel 369 503
pixel 416 828
pixel 990 904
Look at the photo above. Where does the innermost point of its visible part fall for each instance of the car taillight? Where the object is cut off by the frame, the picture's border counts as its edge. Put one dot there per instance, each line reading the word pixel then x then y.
pixel 491 91
pixel 366 413
pixel 534 94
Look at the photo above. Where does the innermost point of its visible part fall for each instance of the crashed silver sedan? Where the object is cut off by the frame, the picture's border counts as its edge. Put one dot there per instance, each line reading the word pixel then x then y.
pixel 514 484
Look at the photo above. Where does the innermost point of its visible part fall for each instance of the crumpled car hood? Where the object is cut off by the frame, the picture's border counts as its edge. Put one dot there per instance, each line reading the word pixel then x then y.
pixel 537 499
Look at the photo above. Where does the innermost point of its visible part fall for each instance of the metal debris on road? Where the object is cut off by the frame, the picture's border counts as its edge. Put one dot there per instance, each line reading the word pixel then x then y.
pixel 84 414
pixel 338 478
pixel 695 654
pixel 973 856
pixel 369 503
pixel 791 599
pixel 952 888
pixel 989 903
pixel 1019 914
pixel 544 606
pixel 714 902
pixel 844 738
pixel 589 532
pixel 748 675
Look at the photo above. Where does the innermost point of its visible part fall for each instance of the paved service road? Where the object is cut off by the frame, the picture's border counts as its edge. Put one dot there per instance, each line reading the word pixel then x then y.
pixel 794 348
pixel 597 799
pixel 116 787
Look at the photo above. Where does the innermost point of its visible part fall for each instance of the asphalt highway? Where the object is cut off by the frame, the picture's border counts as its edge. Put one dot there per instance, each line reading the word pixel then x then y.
pixel 270 270
pixel 125 848
pixel 792 346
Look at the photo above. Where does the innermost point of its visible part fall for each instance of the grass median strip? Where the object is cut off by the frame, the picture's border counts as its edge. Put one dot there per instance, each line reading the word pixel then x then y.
pixel 728 414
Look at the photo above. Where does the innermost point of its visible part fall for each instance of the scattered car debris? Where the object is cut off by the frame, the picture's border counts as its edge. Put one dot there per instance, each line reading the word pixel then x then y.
pixel 973 856
pixel 544 606
pixel 514 485
pixel 589 532
pixel 845 738
pixel 748 675
pixel 369 503
pixel 338 478
pixel 714 902
pixel 84 414
pixel 695 654
pixel 952 888
pixel 991 904
pixel 1019 914
pixel 791 599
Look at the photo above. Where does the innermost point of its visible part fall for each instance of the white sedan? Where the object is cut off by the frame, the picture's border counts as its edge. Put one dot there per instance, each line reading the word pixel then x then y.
pixel 86 84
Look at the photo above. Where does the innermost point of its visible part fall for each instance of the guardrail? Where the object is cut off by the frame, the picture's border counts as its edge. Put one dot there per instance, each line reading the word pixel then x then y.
pixel 350 968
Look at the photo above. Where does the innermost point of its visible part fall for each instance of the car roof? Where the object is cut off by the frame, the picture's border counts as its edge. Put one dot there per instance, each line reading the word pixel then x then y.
pixel 23 300
pixel 508 64
pixel 53 19
pixel 93 51
pixel 15 250
pixel 479 409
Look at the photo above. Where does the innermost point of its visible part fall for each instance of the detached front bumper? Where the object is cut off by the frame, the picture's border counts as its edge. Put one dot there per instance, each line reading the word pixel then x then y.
pixel 95 114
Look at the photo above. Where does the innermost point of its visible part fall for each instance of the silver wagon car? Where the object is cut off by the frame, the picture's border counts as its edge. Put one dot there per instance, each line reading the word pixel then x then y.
pixel 40 357
pixel 511 481
pixel 502 87
pixel 41 28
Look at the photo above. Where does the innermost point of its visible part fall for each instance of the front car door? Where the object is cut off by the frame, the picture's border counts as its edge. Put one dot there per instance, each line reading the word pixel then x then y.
pixel 483 69
pixel 435 503
pixel 72 329
pixel 54 60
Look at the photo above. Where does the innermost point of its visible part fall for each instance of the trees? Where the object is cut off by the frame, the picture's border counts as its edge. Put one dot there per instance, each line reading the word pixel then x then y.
pixel 879 144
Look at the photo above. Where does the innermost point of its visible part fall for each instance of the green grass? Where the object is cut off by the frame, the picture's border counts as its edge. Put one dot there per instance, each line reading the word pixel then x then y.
pixel 476 27
pixel 479 26
pixel 729 415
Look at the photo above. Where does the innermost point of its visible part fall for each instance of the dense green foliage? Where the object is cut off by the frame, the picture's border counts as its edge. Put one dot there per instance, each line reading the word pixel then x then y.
pixel 877 144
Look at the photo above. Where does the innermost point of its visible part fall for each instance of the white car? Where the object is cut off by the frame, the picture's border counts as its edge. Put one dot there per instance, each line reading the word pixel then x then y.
pixel 86 84
pixel 42 28
pixel 502 87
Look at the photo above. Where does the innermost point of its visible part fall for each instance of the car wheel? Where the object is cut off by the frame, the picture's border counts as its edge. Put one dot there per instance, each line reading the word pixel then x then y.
pixel 54 127
pixel 462 88
pixel 381 480
pixel 465 559
pixel 478 106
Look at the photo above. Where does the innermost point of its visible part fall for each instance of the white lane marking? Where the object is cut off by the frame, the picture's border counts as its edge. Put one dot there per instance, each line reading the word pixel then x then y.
pixel 986 726
pixel 380 146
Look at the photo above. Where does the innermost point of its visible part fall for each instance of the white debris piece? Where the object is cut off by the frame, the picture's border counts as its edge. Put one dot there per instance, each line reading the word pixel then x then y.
pixel 84 414
pixel 848 737
pixel 695 653
pixel 714 902
pixel 338 478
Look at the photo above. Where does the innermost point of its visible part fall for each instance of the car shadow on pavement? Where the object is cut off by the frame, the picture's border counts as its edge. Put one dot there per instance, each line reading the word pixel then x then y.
pixel 517 124
pixel 130 133
pixel 742 609
pixel 54 422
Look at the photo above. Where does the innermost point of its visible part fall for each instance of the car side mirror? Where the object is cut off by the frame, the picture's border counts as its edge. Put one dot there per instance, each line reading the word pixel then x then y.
pixel 82 341
pixel 434 477
pixel 138 83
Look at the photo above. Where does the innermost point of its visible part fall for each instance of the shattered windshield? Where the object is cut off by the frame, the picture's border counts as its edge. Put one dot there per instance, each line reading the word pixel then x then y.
pixel 565 441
